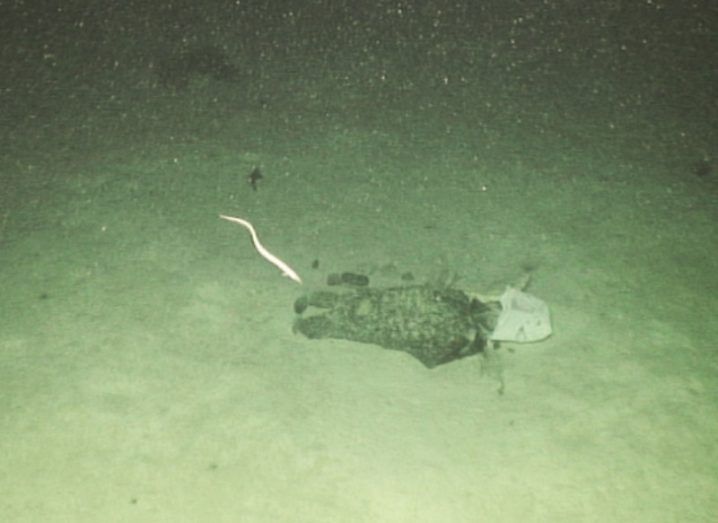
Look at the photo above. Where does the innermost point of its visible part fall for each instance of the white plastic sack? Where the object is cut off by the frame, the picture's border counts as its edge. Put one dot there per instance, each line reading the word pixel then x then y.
pixel 523 318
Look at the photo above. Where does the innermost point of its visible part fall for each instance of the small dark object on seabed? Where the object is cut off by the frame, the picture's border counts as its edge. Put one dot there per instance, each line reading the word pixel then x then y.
pixel 254 177
pixel 176 70
pixel 348 278
pixel 703 168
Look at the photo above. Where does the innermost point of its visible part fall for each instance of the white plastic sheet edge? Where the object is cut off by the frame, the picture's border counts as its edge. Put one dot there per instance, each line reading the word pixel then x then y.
pixel 523 318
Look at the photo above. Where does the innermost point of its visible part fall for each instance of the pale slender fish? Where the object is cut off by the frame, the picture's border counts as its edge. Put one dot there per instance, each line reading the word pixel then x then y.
pixel 271 258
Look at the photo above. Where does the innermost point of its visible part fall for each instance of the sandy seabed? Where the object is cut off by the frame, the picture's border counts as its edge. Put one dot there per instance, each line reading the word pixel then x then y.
pixel 149 368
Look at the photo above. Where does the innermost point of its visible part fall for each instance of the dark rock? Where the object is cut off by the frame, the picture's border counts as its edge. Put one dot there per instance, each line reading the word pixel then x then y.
pixel 177 70
pixel 348 278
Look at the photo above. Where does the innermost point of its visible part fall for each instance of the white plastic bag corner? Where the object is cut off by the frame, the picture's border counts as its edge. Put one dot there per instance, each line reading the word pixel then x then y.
pixel 523 318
